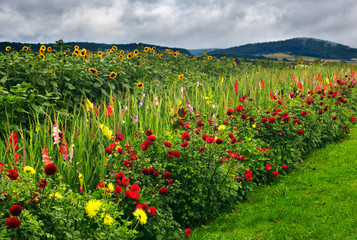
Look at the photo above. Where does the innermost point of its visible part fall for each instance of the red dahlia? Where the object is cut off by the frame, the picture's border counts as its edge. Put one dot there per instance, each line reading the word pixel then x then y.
pixel 15 210
pixel 50 169
pixel 166 175
pixel 13 223
pixel 148 132
pixel 163 190
pixel 12 174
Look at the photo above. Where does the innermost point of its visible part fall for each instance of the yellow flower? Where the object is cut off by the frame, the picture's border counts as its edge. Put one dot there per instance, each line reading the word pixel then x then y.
pixel 29 170
pixel 8 48
pixel 112 75
pixel 49 49
pixel 140 216
pixel 180 77
pixel 56 195
pixel 254 126
pixel 221 127
pixel 209 57
pixel 92 207
pixel 140 85
pixel 182 112
pixel 129 56
pixel 108 220
pixel 25 48
pixel 43 48
pixel 93 70
pixel 106 131
pixel 111 187
pixel 89 105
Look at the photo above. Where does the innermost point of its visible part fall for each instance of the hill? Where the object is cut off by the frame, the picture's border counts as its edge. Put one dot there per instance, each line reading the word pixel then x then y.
pixel 89 46
pixel 310 47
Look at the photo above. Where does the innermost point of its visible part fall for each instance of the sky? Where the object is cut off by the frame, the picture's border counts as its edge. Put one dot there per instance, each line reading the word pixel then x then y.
pixel 189 24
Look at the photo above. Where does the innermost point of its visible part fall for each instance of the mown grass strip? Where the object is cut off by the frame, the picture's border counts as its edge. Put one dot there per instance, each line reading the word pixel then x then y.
pixel 316 201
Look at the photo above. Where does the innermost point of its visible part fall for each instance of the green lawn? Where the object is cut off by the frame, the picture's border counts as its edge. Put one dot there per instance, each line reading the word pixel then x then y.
pixel 316 201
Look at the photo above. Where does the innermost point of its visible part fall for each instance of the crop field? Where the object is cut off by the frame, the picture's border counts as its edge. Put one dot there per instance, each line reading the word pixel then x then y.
pixel 150 144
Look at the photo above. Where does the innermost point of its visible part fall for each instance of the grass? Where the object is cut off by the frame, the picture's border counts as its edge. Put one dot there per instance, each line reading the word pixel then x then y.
pixel 316 201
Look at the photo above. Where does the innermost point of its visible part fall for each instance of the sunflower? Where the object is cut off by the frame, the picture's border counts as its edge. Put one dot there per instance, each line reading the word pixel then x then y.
pixel 112 75
pixel 43 48
pixel 121 51
pixel 76 52
pixel 60 41
pixel 8 48
pixel 135 51
pixel 174 54
pixel 41 56
pixel 180 77
pixel 129 56
pixel 25 48
pixel 146 49
pixel 76 47
pixel 82 53
pixel 154 54
pixel 121 56
pixel 114 48
pixel 209 57
pixel 153 48
pixel 182 112
pixel 41 51
pixel 140 85
pixel 93 70
pixel 49 49
pixel 139 57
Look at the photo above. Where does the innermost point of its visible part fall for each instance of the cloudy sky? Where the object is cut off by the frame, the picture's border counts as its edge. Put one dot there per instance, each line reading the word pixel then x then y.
pixel 178 23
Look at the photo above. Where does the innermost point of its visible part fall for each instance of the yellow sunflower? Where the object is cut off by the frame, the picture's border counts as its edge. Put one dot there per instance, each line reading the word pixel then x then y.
pixel 43 48
pixel 153 48
pixel 25 48
pixel 8 48
pixel 112 75
pixel 146 49
pixel 60 41
pixel 93 70
pixel 76 47
pixel 135 51
pixel 174 54
pixel 49 49
pixel 76 52
pixel 41 56
pixel 182 112
pixel 180 77
pixel 121 56
pixel 140 85
pixel 209 57
pixel 129 56
pixel 114 48
pixel 162 56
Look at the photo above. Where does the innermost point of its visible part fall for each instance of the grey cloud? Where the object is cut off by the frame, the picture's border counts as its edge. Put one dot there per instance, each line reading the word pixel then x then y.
pixel 181 23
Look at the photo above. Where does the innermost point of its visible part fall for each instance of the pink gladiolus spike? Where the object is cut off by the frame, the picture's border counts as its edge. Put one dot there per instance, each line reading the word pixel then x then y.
pixel 45 157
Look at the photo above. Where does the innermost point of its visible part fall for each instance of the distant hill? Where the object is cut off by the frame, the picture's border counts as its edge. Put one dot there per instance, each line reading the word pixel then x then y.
pixel 309 47
pixel 89 46
pixel 200 51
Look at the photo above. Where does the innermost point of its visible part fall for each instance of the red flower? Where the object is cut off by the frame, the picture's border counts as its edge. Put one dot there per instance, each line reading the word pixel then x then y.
pixel 239 109
pixel 197 114
pixel 181 123
pixel 127 193
pixel 280 102
pixel 210 139
pixel 166 175
pixel 151 171
pixel 229 111
pixel 188 231
pixel 108 150
pixel 219 141
pixel 320 112
pixel 184 144
pixel 251 119
pixel 176 154
pixel 199 123
pixel 281 133
pixel 201 149
pixel 276 173
pixel 268 167
pixel 135 188
pixel 170 181
pixel 142 206
pixel 303 113
pixel 299 132
pixel 145 171
pixel 334 117
pixel 185 136
pixel 120 151
pixel 15 210
pixel 119 137
pixel 244 116
pixel 272 120
pixel 284 167
pixel 151 138
pixel 119 176
pixel 12 174
pixel 353 118
pixel 118 189
pixel 125 181
pixel 2 165
pixel 152 211
pixel 148 132
pixel 42 183
pixel 264 120
pixel 134 195
pixel 13 223
pixel 167 144
pixel 286 119
pixel 163 190
pixel 50 169
pixel 133 156
pixel 145 145
pixel 127 163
